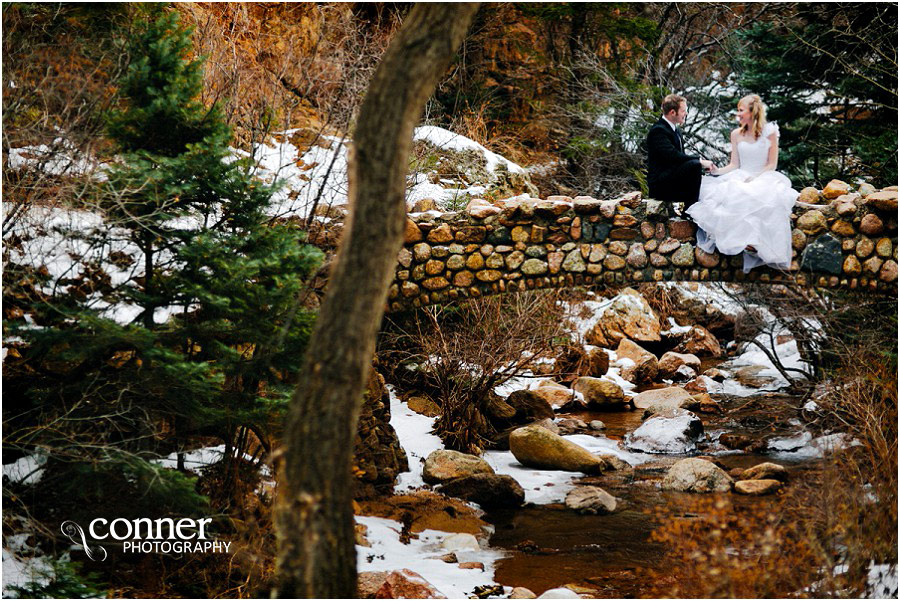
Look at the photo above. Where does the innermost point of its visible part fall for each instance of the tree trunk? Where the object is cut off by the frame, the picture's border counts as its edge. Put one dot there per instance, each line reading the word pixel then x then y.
pixel 314 519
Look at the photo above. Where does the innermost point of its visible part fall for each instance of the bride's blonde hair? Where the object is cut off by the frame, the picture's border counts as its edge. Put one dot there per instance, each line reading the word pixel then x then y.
pixel 757 110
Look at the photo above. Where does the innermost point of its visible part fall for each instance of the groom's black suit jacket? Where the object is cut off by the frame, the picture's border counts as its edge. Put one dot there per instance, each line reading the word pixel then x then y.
pixel 671 174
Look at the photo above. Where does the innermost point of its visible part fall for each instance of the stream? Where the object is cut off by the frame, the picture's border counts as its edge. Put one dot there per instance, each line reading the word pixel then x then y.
pixel 548 546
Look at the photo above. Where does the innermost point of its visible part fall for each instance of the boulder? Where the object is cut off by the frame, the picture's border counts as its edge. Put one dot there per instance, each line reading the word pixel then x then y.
pixel 700 342
pixel 443 465
pixel 559 593
pixel 627 316
pixel 520 592
pixel 595 363
pixel 715 374
pixel 671 431
pixel 643 365
pixel 480 208
pixel 555 394
pixel 368 583
pixel 488 490
pixel 597 425
pixel 809 195
pixel 671 396
pixel 537 447
pixel 765 471
pixel 423 406
pixel 886 200
pixel 671 361
pixel 462 541
pixel 590 500
pixel 757 487
pixel 599 393
pixel 696 475
pixel 406 584
pixel 529 406
pixel 835 188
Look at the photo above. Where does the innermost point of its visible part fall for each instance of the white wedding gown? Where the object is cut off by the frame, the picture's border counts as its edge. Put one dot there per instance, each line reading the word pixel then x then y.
pixel 733 213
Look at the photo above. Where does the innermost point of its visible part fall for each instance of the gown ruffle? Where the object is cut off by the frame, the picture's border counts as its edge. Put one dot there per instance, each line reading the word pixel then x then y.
pixel 734 213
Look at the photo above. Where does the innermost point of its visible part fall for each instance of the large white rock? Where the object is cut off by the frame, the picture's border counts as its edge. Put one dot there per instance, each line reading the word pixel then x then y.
pixel 670 396
pixel 672 431
pixel 696 475
pixel 559 593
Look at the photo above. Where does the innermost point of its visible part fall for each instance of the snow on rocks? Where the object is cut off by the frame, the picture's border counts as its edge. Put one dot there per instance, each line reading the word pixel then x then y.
pixel 422 556
pixel 671 431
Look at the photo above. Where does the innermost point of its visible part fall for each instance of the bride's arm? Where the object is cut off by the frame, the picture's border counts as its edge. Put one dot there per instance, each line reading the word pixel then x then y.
pixel 735 161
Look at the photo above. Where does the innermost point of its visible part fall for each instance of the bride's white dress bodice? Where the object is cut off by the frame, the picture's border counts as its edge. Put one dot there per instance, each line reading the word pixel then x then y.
pixel 753 156
pixel 734 212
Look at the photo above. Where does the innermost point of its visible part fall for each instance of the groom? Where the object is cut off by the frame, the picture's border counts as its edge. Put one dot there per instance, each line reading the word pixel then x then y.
pixel 673 176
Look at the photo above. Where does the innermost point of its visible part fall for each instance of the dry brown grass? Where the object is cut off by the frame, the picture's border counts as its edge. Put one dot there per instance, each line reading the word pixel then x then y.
pixel 843 514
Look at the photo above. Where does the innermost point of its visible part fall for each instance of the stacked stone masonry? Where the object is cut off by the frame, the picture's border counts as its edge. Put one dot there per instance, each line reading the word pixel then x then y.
pixel 850 242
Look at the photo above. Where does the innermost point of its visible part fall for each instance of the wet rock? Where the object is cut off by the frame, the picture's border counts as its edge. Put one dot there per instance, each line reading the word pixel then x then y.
pixel 757 487
pixel 765 471
pixel 406 584
pixel 597 425
pixel 572 424
pixel 536 447
pixel 443 465
pixel 643 365
pixel 591 500
pixel 672 396
pixel 488 490
pixel 600 393
pixel 671 361
pixel 627 316
pixel 697 476
pixel 671 431
pixel 520 592
pixel 735 441
pixel 716 375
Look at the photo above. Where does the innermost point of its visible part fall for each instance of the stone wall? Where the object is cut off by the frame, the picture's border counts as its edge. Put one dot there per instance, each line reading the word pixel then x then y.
pixel 848 241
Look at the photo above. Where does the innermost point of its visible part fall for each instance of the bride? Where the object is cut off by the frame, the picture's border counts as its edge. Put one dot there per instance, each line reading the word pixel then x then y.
pixel 746 205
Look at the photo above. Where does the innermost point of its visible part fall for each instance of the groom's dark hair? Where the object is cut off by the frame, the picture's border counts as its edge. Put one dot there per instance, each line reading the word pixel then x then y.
pixel 671 103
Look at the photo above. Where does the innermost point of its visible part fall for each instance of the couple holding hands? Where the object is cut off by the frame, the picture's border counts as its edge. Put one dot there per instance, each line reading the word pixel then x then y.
pixel 744 206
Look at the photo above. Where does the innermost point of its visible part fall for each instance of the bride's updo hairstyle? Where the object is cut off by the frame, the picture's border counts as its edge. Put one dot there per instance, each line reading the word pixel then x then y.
pixel 757 110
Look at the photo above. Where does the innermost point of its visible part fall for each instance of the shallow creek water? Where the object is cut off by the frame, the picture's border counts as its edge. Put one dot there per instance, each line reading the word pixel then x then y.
pixel 549 546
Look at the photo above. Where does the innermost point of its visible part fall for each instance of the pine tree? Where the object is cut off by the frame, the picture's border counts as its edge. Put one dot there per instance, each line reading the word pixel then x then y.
pixel 829 75
pixel 216 292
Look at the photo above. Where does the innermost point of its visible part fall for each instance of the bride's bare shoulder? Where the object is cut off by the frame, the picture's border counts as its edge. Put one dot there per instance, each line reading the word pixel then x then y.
pixel 735 133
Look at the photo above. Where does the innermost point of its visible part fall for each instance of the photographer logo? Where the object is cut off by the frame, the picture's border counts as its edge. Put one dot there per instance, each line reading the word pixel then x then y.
pixel 144 535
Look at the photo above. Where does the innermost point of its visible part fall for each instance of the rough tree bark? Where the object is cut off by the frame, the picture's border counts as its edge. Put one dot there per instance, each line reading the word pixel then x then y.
pixel 314 519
